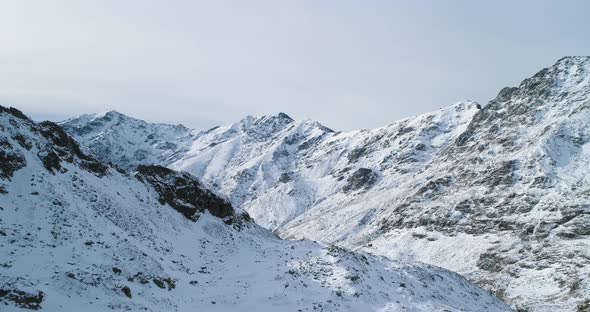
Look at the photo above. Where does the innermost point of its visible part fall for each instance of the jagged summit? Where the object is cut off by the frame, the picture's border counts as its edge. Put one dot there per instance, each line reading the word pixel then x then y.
pixel 578 59
pixel 567 77
pixel 266 126
pixel 111 113
pixel 261 126
pixel 551 96
pixel 279 117
pixel 284 116
pixel 273 123
pixel 107 119
pixel 14 112
pixel 55 149
pixel 108 115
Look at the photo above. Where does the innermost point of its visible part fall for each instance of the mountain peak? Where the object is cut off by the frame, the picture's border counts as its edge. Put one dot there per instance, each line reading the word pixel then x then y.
pixel 570 68
pixel 573 60
pixel 465 105
pixel 13 111
pixel 111 115
pixel 281 118
pixel 265 123
pixel 568 77
pixel 282 115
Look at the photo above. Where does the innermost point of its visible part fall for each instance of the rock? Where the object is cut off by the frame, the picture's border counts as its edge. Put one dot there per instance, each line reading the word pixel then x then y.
pixel 22 299
pixel 127 291
pixel 286 177
pixel 10 160
pixel 183 192
pixel 362 178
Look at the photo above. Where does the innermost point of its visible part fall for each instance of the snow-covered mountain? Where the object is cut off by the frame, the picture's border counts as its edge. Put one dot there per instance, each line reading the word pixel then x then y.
pixel 129 142
pixel 499 193
pixel 77 234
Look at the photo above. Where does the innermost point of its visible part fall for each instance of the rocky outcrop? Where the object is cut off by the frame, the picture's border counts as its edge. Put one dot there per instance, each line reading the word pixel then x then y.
pixel 22 299
pixel 362 178
pixel 183 192
pixel 11 160
pixel 49 141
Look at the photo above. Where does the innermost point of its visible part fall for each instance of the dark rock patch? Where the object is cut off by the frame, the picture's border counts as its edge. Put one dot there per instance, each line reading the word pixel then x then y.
pixel 362 178
pixel 10 160
pixel 493 262
pixel 22 299
pixel 584 306
pixel 357 153
pixel 127 291
pixel 239 221
pixel 14 112
pixel 309 143
pixel 183 192
pixel 65 145
pixel 286 177
pixel 158 283
pixel 22 141
pixel 504 174
pixel 67 149
pixel 50 161
pixel 434 186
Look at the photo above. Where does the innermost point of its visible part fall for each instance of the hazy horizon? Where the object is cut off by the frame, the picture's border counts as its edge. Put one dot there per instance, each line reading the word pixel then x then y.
pixel 346 64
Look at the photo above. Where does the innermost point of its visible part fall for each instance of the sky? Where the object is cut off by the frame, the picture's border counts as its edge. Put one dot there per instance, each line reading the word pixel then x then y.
pixel 347 64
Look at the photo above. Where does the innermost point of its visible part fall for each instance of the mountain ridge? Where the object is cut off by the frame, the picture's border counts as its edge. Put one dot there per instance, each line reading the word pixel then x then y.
pixel 79 234
pixel 505 181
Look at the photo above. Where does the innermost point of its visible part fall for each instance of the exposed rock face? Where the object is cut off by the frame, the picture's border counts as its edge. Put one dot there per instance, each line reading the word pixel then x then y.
pixel 22 299
pixel 10 160
pixel 362 178
pixel 53 147
pixel 498 193
pixel 65 148
pixel 183 192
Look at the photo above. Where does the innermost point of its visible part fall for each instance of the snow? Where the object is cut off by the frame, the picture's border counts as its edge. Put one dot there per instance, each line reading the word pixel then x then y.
pixel 499 182
pixel 80 238
pixel 110 135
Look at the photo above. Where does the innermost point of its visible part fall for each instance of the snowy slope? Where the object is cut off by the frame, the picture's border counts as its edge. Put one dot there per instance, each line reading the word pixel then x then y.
pixel 79 235
pixel 499 194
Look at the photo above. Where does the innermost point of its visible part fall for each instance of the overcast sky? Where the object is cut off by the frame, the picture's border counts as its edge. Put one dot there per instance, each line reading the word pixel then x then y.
pixel 347 64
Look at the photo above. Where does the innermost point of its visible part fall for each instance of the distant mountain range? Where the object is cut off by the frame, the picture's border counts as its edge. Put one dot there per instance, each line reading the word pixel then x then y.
pixel 499 193
pixel 78 234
